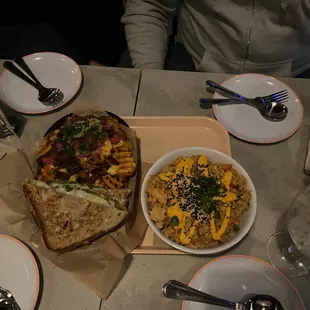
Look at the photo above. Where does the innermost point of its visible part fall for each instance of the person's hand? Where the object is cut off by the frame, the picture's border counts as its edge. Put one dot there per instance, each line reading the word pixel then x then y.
pixel 94 63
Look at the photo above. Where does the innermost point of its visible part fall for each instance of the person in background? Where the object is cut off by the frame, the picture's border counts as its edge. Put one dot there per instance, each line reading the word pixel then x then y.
pixel 221 36
pixel 90 32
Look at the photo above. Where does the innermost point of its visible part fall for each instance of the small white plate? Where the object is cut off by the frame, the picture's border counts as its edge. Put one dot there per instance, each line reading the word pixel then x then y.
pixel 245 122
pixel 52 70
pixel 19 272
pixel 234 276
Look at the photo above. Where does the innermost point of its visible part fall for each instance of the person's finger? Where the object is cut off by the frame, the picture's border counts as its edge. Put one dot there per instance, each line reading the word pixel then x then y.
pixel 94 63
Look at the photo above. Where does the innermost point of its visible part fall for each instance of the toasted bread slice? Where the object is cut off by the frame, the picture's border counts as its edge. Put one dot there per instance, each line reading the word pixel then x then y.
pixel 68 221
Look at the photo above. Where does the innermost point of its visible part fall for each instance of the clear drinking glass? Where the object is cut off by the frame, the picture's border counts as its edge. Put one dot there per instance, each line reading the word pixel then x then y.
pixel 4 129
pixel 289 251
pixel 7 134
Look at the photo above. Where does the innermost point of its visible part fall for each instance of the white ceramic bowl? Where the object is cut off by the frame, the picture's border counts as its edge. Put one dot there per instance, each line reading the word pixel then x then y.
pixel 215 157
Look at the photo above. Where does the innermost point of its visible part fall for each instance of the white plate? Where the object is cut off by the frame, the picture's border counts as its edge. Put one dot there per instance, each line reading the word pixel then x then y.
pixel 246 123
pixel 216 157
pixel 19 272
pixel 52 70
pixel 233 277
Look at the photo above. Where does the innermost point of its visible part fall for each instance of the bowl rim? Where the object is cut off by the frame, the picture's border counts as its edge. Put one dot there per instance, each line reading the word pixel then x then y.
pixel 211 251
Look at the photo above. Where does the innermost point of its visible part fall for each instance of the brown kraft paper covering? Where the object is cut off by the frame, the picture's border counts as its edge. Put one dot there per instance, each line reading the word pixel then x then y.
pixel 97 264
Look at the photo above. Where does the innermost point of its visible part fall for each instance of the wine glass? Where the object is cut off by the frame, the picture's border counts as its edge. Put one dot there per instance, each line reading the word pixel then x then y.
pixel 289 251
pixel 9 125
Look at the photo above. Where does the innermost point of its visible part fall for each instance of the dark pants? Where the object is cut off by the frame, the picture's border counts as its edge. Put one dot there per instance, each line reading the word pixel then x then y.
pixel 177 59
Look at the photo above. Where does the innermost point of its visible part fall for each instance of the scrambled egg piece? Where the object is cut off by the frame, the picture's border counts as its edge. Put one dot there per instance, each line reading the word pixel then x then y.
pixel 202 165
pixel 73 178
pixel 44 147
pixel 186 239
pixel 166 176
pixel 216 235
pixel 119 144
pixel 175 210
pixel 53 138
pixel 159 195
pixel 229 197
pixel 113 170
pixel 174 190
pixel 227 179
pixel 125 147
pixel 98 182
pixel 47 172
pixel 185 166
pixel 105 150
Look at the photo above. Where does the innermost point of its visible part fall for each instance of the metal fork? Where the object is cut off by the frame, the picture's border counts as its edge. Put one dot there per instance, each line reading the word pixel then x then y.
pixel 48 96
pixel 280 96
pixel 270 107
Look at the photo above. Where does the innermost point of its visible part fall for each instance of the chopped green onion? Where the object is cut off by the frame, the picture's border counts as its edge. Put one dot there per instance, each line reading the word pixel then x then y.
pixel 174 221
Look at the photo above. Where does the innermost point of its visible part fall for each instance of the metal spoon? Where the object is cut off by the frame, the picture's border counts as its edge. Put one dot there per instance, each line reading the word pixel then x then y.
pixel 50 96
pixel 177 290
pixel 271 110
pixel 7 301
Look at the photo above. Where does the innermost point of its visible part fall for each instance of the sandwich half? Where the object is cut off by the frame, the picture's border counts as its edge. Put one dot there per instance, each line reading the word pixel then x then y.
pixel 70 216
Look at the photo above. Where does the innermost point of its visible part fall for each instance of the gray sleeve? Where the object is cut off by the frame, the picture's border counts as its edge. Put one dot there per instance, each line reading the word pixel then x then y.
pixel 146 26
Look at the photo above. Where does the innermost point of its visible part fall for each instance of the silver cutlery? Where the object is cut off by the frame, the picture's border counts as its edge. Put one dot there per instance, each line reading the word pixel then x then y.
pixel 271 107
pixel 177 290
pixel 57 92
pixel 48 96
pixel 4 130
pixel 280 96
pixel 207 103
pixel 7 300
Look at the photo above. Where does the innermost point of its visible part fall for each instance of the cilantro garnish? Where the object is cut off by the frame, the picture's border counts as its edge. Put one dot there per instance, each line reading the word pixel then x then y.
pixel 204 189
pixel 206 186
pixel 68 188
pixel 84 148
pixel 70 151
pixel 101 135
pixel 174 221
pixel 236 228
pixel 80 128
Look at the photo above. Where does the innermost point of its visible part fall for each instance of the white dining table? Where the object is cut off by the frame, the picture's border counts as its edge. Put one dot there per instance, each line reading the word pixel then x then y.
pixel 109 89
pixel 276 170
